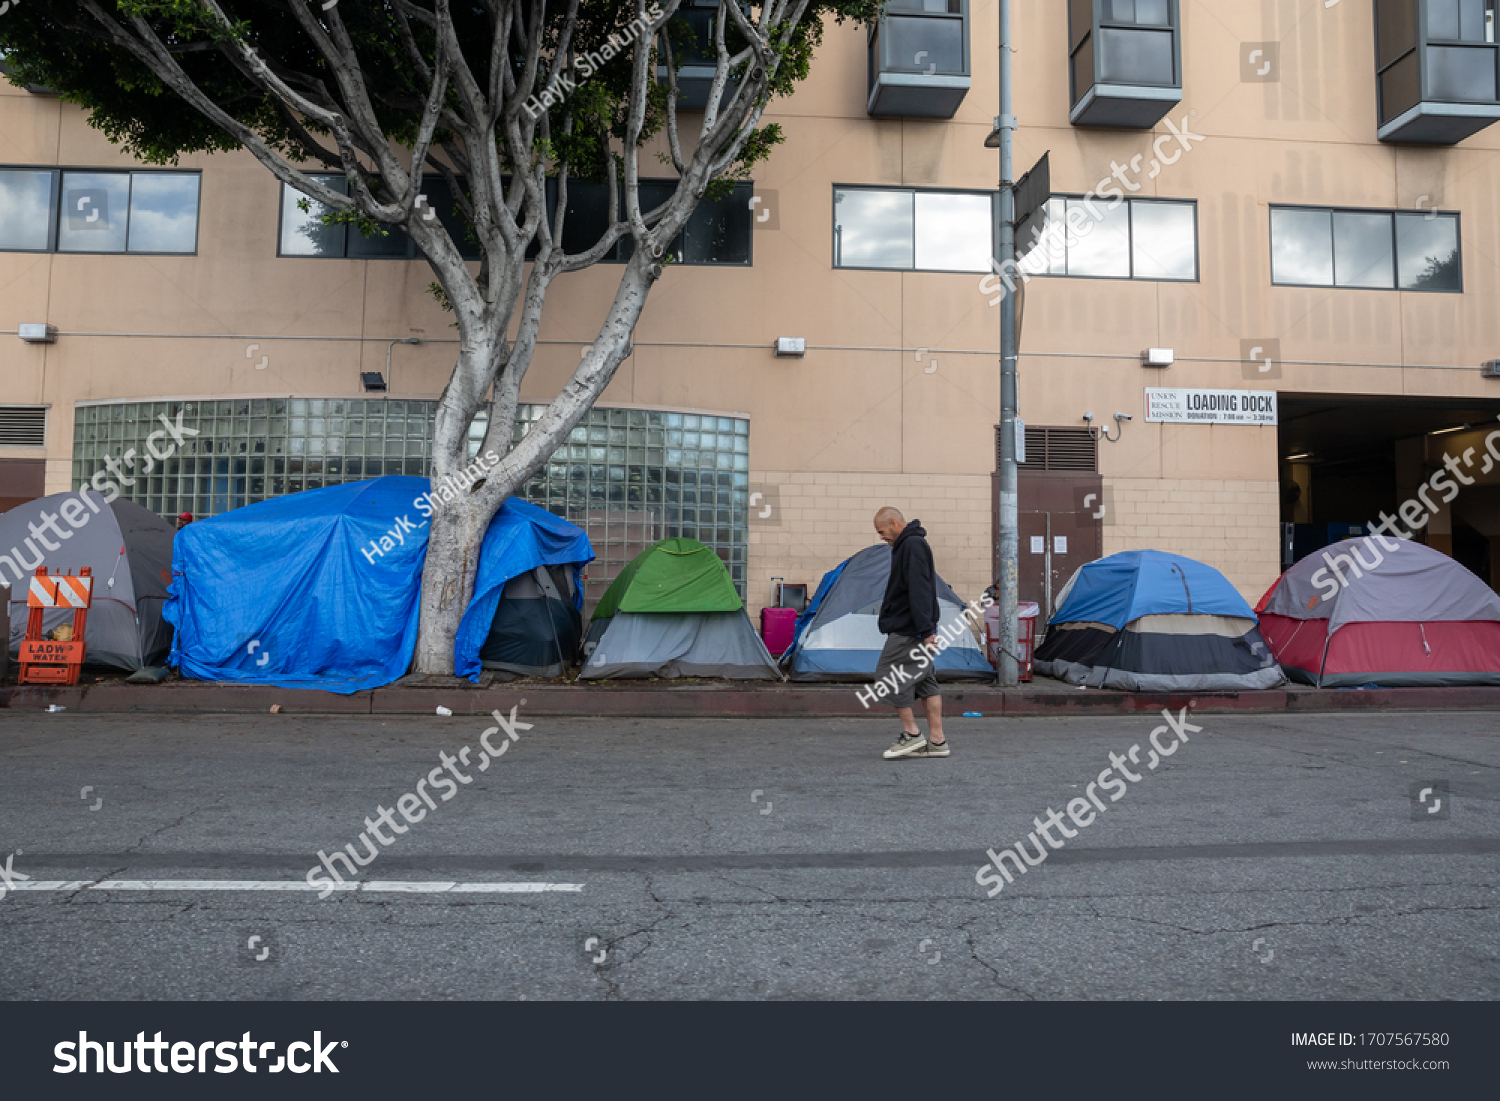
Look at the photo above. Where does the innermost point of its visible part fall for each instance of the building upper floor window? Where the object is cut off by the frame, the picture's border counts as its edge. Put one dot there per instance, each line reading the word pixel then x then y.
pixel 1437 69
pixel 717 233
pixel 1153 239
pixel 1125 65
pixel 86 210
pixel 1377 249
pixel 919 58
pixel 902 229
pixel 303 232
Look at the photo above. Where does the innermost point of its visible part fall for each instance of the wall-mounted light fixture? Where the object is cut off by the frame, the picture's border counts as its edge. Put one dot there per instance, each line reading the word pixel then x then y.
pixel 1157 357
pixel 791 346
pixel 372 381
pixel 34 333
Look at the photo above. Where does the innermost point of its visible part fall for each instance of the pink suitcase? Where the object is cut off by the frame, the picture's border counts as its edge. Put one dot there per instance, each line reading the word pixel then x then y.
pixel 777 626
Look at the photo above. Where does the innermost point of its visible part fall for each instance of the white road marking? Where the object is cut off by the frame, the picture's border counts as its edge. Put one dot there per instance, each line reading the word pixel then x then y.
pixel 395 886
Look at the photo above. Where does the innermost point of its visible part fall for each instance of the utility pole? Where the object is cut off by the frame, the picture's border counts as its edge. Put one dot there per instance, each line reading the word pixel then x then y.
pixel 1009 534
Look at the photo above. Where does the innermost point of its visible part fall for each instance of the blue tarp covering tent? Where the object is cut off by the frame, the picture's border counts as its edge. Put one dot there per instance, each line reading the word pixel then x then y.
pixel 299 591
pixel 521 538
pixel 838 636
pixel 322 589
pixel 1148 621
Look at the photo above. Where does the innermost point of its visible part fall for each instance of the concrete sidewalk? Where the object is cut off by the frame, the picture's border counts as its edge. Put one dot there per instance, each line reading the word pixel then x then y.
pixel 713 699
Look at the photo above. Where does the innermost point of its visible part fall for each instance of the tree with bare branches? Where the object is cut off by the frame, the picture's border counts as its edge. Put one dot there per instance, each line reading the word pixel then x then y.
pixel 510 101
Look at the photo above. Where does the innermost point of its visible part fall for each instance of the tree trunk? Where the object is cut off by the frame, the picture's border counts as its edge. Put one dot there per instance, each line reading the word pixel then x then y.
pixel 453 544
pixel 459 522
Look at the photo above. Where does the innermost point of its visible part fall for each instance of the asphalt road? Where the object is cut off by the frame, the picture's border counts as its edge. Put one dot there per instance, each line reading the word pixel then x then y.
pixel 1267 857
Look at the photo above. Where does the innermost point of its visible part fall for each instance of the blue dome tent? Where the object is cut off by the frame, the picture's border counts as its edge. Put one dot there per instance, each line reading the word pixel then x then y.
pixel 1149 621
pixel 837 636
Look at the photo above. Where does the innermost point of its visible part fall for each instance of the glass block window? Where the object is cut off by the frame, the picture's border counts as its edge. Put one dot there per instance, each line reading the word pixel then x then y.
pixel 628 477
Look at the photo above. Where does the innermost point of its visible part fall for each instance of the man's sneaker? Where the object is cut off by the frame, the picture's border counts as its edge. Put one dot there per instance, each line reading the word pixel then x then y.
pixel 909 745
pixel 930 750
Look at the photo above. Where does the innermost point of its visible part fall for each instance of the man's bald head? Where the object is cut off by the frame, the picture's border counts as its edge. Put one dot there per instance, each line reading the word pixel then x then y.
pixel 888 524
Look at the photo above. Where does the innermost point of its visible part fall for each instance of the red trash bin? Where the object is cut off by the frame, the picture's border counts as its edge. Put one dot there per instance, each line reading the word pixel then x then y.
pixel 1026 617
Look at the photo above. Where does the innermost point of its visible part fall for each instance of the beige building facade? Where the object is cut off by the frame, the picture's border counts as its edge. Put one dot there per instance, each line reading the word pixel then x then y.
pixel 896 398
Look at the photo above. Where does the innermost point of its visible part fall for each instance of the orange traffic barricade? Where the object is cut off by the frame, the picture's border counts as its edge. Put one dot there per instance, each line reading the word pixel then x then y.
pixel 44 660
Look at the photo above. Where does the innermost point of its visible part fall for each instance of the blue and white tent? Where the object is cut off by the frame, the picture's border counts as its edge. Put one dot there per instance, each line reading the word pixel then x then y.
pixel 1149 621
pixel 322 589
pixel 838 638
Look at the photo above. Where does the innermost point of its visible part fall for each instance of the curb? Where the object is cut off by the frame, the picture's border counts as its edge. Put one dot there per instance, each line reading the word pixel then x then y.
pixel 719 700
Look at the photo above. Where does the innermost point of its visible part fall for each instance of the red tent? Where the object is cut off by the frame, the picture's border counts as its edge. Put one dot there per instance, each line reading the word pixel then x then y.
pixel 1378 610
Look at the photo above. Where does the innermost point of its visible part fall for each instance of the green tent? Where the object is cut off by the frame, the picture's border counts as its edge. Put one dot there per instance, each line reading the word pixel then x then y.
pixel 674 612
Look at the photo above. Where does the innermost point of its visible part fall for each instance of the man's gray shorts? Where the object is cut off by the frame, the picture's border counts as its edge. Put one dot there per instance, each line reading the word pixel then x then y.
pixel 915 679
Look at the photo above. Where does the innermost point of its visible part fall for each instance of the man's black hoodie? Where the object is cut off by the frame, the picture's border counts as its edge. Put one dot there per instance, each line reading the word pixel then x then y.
pixel 910 606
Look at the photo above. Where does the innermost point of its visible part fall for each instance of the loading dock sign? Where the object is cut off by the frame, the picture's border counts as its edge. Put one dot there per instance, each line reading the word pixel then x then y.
pixel 1211 406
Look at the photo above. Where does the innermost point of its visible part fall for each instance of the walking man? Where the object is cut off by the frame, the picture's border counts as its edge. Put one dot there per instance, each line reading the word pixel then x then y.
pixel 909 620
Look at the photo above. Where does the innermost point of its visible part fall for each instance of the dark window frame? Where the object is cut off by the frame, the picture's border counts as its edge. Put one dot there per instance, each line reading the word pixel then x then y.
pixel 1089 39
pixel 617 255
pixel 877 41
pixel 1391 212
pixel 54 212
pixel 1132 277
pixel 833 243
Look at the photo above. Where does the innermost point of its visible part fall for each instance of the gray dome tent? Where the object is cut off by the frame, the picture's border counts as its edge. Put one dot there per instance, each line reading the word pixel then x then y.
pixel 129 550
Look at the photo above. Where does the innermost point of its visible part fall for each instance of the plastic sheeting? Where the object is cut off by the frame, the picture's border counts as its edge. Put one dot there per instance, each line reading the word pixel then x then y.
pixel 313 590
pixel 520 538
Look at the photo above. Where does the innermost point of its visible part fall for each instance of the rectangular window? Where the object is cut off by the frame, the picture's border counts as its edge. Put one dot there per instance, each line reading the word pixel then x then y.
pixel 718 232
pixel 28 201
pixel 1148 239
pixel 1115 45
pixel 1374 249
pixel 42 210
pixel 902 229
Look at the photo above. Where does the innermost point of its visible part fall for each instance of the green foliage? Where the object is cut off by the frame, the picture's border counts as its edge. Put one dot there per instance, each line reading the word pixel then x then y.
pixel 59 45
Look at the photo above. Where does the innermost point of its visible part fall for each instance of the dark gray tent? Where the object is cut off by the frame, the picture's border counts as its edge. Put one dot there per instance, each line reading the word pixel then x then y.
pixel 129 550
pixel 537 628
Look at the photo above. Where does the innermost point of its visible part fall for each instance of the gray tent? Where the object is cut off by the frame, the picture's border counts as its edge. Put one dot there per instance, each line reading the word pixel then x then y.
pixel 674 612
pixel 683 644
pixel 129 550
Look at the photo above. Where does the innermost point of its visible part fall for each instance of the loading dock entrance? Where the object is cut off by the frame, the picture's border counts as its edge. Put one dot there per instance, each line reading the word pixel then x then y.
pixel 1345 459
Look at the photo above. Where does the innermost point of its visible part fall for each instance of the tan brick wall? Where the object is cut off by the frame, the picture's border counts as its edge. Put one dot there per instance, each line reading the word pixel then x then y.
pixel 1231 525
pixel 819 519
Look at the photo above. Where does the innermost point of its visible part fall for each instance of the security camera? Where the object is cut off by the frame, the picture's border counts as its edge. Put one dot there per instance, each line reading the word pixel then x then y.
pixel 1123 417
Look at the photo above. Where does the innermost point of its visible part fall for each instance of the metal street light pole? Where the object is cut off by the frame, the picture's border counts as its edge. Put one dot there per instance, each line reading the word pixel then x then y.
pixel 1009 535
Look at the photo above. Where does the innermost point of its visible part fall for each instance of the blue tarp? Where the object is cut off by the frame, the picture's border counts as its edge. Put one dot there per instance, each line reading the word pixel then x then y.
pixel 322 589
pixel 1123 587
pixel 299 592
pixel 520 538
